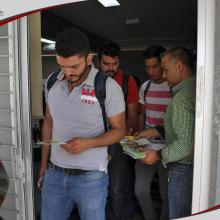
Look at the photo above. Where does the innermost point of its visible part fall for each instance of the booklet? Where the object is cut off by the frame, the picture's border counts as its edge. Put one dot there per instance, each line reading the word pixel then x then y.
pixel 131 142
pixel 49 142
pixel 130 146
pixel 134 153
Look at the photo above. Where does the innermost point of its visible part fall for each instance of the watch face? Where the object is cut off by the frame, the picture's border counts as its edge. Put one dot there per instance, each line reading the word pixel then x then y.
pixel 4 182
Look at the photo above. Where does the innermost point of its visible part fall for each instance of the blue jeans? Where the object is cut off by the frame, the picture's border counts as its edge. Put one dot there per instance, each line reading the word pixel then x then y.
pixel 144 175
pixel 180 190
pixel 61 192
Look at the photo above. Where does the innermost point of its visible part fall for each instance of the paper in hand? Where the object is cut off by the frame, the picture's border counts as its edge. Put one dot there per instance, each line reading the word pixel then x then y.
pixel 49 142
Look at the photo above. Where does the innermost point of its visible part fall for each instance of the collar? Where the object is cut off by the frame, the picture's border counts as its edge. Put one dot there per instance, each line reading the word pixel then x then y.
pixel 117 74
pixel 182 84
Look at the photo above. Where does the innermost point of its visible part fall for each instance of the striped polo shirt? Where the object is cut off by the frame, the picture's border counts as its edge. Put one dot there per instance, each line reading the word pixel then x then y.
pixel 156 101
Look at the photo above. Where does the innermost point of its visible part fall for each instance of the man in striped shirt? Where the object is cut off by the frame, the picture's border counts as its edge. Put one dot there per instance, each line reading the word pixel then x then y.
pixel 154 97
pixel 179 124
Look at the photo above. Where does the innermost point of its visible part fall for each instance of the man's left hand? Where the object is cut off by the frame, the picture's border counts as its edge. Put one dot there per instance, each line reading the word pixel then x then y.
pixel 76 145
pixel 151 156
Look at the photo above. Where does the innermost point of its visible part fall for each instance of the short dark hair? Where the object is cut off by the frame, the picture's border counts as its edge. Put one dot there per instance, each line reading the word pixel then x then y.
pixel 109 48
pixel 71 42
pixel 182 54
pixel 154 51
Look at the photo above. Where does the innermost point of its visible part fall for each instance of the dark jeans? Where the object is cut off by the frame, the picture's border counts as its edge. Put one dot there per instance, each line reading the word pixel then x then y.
pixel 121 197
pixel 144 177
pixel 180 190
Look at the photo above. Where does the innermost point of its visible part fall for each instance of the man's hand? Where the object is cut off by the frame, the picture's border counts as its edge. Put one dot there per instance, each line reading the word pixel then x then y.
pixel 151 156
pixel 148 133
pixel 76 145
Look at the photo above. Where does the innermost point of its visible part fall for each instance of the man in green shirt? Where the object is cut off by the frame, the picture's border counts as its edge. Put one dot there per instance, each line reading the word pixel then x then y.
pixel 179 125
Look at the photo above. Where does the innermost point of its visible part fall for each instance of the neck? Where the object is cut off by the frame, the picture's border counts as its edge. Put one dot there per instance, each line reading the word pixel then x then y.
pixel 159 81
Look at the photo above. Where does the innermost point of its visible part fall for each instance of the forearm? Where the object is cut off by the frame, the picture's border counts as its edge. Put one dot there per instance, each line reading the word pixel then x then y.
pixel 46 135
pixel 45 149
pixel 131 123
pixel 108 138
pixel 132 119
pixel 141 119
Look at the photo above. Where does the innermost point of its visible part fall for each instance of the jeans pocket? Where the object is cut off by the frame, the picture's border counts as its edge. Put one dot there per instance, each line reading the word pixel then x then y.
pixel 93 175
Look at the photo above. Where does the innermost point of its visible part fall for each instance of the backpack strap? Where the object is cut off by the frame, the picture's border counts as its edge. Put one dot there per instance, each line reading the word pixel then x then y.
pixel 146 89
pixel 52 79
pixel 100 92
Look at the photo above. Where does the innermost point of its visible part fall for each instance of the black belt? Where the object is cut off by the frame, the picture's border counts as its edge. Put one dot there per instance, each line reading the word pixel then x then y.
pixel 67 170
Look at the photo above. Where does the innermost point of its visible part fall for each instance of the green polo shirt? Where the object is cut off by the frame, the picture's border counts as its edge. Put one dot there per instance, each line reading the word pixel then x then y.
pixel 179 123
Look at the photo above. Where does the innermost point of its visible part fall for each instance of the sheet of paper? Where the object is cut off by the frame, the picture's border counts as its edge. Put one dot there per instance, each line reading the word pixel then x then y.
pixel 49 142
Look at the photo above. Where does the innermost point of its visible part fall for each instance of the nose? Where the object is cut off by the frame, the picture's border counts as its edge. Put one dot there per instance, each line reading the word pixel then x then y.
pixel 150 70
pixel 67 70
pixel 110 67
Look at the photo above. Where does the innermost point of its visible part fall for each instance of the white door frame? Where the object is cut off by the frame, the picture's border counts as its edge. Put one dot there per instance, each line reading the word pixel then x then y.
pixel 204 104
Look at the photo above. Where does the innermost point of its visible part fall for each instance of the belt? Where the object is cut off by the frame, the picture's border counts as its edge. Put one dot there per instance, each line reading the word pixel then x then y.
pixel 67 170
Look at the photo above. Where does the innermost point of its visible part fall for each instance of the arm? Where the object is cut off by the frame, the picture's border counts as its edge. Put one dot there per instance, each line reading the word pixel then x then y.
pixel 183 124
pixel 132 102
pixel 78 145
pixel 132 119
pixel 46 135
pixel 141 118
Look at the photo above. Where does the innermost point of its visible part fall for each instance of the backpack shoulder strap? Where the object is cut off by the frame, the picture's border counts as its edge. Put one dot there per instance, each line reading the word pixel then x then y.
pixel 147 88
pixel 52 79
pixel 100 92
pixel 125 86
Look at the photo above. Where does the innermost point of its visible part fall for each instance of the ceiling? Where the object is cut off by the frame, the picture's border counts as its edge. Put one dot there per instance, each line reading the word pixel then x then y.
pixel 166 22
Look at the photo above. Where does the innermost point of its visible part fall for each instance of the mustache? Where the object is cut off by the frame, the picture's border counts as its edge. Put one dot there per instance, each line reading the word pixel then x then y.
pixel 71 75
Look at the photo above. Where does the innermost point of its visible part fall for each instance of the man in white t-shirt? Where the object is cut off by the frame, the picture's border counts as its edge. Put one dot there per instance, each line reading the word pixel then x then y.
pixel 154 97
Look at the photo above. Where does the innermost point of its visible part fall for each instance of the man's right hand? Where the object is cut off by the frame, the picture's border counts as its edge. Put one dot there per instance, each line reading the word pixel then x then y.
pixel 40 177
pixel 148 133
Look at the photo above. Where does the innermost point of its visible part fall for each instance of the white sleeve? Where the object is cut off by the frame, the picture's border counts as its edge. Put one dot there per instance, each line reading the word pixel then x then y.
pixel 141 92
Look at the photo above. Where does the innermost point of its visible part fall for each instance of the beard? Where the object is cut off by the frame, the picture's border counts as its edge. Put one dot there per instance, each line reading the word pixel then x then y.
pixel 110 73
pixel 72 78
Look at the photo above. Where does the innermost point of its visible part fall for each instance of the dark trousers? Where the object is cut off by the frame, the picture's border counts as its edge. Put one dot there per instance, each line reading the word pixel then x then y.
pixel 121 199
pixel 144 177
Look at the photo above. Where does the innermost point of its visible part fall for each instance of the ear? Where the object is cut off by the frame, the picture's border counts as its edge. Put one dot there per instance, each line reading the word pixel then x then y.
pixel 179 65
pixel 89 59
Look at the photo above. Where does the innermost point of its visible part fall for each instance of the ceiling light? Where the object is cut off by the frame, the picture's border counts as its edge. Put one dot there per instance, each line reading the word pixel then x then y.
pixel 47 41
pixel 109 3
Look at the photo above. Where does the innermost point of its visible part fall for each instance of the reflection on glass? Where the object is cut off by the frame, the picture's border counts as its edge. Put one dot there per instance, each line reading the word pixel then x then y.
pixel 4 182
